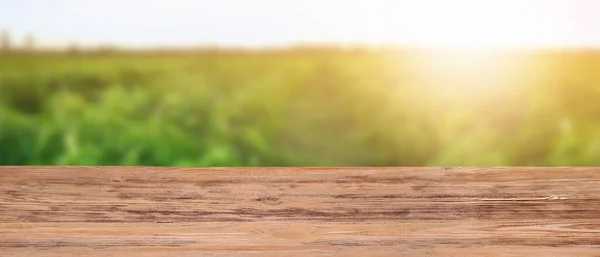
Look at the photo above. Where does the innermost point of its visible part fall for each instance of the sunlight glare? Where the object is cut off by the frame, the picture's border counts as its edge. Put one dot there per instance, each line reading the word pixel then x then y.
pixel 474 72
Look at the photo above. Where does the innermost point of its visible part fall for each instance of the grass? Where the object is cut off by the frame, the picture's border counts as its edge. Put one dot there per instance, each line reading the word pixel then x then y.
pixel 296 108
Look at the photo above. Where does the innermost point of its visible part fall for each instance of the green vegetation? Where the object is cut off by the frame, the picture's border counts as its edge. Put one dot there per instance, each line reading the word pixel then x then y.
pixel 296 108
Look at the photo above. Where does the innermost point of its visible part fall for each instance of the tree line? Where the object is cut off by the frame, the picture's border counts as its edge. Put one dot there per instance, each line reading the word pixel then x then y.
pixel 7 44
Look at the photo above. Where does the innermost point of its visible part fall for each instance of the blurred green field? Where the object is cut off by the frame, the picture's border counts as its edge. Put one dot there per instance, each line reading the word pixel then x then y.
pixel 297 108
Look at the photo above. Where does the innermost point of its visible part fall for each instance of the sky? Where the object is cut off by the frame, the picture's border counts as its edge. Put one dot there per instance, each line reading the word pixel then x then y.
pixel 260 23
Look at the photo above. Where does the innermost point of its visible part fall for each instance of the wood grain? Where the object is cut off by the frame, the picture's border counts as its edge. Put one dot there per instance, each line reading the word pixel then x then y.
pixel 150 211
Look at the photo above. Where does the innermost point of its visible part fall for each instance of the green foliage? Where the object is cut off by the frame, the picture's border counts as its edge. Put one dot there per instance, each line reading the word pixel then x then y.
pixel 292 109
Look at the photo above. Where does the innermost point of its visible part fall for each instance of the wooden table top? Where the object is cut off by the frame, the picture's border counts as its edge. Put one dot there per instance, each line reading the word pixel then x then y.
pixel 151 211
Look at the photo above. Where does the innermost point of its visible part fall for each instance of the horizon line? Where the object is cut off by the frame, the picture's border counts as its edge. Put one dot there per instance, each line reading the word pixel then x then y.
pixel 290 46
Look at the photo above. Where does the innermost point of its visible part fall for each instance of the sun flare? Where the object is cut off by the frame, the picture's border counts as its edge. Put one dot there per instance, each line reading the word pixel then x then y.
pixel 466 44
pixel 472 72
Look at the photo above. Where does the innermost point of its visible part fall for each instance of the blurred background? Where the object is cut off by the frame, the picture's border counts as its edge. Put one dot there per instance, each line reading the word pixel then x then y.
pixel 300 83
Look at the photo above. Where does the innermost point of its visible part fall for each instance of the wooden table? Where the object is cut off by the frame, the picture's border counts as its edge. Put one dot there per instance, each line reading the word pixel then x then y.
pixel 150 211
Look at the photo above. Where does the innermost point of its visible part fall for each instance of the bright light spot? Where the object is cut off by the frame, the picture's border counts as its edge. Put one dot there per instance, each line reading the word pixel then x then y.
pixel 471 72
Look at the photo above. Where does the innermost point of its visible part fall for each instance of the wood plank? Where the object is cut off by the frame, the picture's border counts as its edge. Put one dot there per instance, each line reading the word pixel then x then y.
pixel 152 211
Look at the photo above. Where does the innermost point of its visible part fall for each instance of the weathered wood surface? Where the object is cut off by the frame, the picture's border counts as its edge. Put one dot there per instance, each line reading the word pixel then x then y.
pixel 148 211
